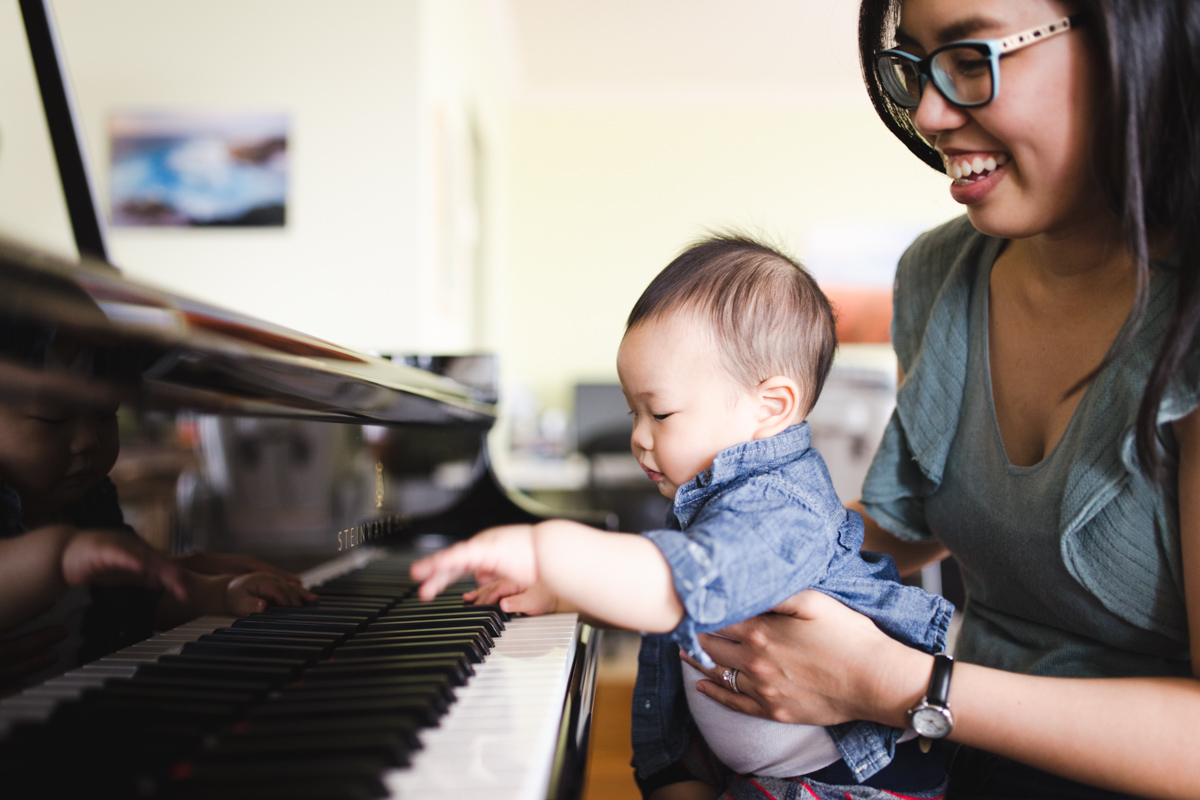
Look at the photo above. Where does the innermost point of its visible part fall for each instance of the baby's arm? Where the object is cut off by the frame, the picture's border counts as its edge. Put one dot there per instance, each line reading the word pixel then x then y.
pixel 620 579
pixel 36 568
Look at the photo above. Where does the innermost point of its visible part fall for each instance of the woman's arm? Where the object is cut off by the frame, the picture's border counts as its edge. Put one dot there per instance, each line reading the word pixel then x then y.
pixel 909 556
pixel 819 662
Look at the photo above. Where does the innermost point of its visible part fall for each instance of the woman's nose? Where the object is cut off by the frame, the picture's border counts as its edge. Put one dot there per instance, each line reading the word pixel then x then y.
pixel 935 114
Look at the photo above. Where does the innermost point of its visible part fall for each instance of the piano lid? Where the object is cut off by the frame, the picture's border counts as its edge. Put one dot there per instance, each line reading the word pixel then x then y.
pixel 127 341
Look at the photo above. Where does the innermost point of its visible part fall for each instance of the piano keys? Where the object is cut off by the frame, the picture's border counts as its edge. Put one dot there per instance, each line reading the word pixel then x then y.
pixel 368 693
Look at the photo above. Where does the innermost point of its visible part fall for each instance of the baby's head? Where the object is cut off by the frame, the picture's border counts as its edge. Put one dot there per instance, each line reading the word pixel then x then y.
pixel 53 450
pixel 730 343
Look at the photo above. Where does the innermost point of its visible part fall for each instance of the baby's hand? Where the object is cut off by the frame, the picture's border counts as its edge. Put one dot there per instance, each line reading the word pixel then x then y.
pixel 113 557
pixel 230 564
pixel 514 598
pixel 252 592
pixel 506 552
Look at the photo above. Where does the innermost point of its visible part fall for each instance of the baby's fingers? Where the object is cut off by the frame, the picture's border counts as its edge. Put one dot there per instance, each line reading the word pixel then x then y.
pixel 439 570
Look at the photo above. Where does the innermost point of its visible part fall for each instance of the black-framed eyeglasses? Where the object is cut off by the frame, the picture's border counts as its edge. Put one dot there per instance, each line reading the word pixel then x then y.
pixel 967 72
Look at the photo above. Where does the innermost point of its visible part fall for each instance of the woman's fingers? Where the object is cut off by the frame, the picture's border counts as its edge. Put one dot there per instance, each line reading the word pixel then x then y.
pixel 743 700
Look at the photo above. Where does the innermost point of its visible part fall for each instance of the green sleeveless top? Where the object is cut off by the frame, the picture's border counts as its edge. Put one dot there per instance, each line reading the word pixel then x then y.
pixel 1072 565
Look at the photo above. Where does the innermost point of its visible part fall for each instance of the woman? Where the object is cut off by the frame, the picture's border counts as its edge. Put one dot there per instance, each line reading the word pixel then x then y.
pixel 1046 431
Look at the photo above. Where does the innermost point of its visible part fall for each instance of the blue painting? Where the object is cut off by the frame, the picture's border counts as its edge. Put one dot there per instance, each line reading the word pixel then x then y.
pixel 199 169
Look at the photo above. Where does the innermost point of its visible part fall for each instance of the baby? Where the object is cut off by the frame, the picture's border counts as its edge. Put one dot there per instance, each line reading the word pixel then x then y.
pixel 65 550
pixel 723 357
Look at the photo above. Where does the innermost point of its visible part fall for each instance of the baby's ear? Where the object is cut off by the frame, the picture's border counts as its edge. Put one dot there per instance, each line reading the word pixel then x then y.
pixel 779 401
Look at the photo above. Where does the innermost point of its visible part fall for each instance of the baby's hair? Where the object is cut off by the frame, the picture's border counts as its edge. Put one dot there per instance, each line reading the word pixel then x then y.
pixel 767 315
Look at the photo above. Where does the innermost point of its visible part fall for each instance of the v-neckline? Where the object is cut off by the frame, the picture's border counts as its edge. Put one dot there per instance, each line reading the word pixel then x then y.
pixel 990 392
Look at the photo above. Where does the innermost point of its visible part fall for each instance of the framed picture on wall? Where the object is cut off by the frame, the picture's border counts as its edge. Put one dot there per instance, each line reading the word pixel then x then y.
pixel 197 169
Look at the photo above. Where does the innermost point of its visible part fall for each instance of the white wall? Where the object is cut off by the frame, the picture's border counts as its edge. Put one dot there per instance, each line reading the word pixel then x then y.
pixel 604 197
pixel 360 81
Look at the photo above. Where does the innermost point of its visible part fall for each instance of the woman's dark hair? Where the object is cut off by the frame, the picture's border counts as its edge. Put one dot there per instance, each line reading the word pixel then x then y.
pixel 1147 156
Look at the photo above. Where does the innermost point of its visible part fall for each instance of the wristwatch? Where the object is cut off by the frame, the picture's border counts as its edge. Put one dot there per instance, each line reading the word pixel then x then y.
pixel 931 717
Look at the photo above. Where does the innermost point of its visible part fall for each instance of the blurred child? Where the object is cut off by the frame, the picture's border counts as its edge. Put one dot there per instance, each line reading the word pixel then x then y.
pixel 61 528
pixel 723 357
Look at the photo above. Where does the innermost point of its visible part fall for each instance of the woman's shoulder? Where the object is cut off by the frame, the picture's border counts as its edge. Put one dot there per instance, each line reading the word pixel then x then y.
pixel 937 258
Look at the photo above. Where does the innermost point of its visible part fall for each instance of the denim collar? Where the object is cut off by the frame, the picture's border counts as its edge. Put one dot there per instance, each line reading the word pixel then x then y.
pixel 739 462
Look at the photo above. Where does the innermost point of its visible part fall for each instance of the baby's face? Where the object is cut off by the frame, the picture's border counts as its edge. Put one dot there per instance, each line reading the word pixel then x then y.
pixel 685 407
pixel 53 454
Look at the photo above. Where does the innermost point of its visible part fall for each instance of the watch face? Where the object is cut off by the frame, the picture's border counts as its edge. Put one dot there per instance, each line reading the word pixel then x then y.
pixel 932 722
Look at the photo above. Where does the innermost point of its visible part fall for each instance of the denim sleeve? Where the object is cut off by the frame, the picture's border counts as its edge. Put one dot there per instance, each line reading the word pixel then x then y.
pixel 752 547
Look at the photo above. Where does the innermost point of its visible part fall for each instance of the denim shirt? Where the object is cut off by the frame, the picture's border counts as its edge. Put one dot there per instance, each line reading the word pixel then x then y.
pixel 760 525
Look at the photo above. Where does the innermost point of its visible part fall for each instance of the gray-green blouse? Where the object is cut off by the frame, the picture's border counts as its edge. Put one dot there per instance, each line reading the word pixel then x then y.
pixel 1072 565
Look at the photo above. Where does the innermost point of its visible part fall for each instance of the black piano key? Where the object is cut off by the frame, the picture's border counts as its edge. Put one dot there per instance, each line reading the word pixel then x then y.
pixel 491 624
pixel 432 691
pixel 455 668
pixel 464 647
pixel 281 636
pixel 282 624
pixel 227 649
pixel 173 667
pixel 280 789
pixel 233 664
pixel 422 708
pixel 390 748
pixel 403 726
pixel 373 686
pixel 479 632
pixel 219 779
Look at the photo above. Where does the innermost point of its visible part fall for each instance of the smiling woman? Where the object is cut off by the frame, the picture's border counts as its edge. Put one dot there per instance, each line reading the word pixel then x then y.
pixel 1046 431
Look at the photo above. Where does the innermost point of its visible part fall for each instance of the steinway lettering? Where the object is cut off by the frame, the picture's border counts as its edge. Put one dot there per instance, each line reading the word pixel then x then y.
pixel 359 534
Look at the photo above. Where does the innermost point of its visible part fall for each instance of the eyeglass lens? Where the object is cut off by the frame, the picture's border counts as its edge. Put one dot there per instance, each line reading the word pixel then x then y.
pixel 962 74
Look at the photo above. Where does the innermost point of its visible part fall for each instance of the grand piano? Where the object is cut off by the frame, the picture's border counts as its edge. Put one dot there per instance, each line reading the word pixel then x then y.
pixel 368 693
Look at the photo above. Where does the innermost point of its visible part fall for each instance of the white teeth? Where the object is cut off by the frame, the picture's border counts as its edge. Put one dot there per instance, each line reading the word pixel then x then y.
pixel 957 172
pixel 977 164
pixel 966 169
pixel 1001 159
pixel 990 164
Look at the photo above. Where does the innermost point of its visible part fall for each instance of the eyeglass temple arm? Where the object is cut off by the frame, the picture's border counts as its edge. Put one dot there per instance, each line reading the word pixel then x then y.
pixel 1015 42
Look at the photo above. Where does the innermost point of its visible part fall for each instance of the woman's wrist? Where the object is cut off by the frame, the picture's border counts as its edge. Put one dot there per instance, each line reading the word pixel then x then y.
pixel 902 679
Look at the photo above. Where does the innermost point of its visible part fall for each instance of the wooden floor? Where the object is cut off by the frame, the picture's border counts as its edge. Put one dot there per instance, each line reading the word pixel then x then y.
pixel 609 776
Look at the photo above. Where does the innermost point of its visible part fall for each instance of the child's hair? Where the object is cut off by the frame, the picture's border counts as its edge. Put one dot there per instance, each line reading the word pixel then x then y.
pixel 767 314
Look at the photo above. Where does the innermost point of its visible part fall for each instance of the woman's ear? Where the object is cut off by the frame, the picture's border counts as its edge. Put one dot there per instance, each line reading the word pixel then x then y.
pixel 779 400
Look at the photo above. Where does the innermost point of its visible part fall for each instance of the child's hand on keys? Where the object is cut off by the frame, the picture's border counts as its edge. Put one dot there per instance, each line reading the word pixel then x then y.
pixel 506 551
pixel 513 597
pixel 252 592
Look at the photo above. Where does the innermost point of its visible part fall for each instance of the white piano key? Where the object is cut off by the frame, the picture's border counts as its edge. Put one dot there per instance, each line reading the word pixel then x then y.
pixel 500 735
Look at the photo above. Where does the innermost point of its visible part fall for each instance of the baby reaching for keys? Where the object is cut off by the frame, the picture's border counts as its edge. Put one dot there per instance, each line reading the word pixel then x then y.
pixel 723 357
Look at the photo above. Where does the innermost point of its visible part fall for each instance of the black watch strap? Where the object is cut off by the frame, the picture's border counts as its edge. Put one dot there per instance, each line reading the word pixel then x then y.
pixel 939 682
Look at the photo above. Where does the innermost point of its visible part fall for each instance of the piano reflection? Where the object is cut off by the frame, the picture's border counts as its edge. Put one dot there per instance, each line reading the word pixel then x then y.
pixel 367 693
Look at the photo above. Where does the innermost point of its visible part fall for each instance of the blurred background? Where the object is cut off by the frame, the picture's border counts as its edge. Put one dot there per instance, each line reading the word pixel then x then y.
pixel 472 177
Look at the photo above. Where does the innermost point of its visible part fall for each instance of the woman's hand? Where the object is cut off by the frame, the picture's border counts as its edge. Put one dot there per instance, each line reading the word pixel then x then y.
pixel 815 661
